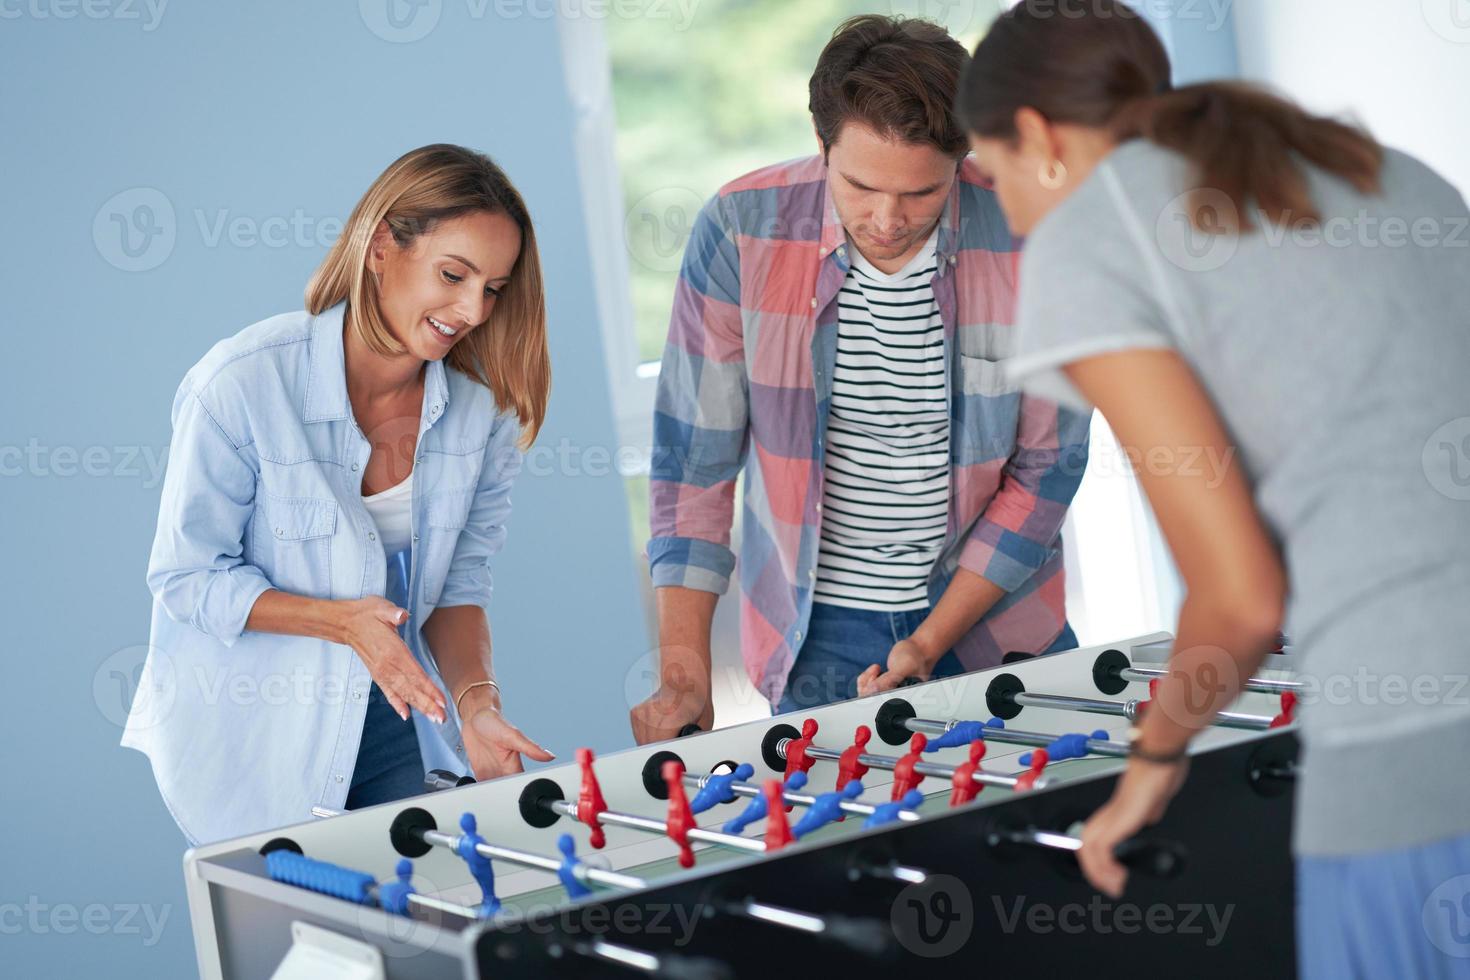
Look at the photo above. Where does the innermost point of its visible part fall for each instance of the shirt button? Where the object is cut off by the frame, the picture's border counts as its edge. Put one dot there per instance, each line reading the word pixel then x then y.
pixel 952 260
pixel 819 505
pixel 354 467
pixel 798 640
pixel 814 302
pixel 842 250
pixel 279 532
pixel 357 695
pixel 812 574
pixel 415 537
pixel 339 777
pixel 372 536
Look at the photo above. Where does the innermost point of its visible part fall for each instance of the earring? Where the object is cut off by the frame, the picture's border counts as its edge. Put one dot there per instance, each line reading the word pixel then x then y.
pixel 1053 175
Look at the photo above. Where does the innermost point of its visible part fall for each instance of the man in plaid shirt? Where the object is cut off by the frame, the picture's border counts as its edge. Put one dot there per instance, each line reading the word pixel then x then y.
pixel 838 334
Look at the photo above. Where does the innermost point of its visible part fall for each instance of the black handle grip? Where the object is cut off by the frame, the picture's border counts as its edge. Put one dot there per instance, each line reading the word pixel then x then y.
pixel 866 937
pixel 437 779
pixel 673 966
pixel 1152 857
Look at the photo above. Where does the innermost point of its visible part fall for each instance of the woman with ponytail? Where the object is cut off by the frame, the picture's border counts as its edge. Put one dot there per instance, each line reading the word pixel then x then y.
pixel 337 483
pixel 1273 313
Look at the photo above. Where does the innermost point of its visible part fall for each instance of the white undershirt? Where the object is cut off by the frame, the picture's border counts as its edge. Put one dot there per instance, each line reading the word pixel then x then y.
pixel 391 511
pixel 885 497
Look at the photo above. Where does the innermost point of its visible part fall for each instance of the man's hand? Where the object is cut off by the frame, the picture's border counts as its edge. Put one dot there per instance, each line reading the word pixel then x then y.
pixel 1140 799
pixel 908 658
pixel 670 709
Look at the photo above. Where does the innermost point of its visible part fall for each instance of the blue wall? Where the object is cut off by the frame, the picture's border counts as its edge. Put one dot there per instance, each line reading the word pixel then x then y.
pixel 239 111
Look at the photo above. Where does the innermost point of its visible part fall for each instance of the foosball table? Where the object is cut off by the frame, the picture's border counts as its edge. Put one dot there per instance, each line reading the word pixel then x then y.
pixel 931 828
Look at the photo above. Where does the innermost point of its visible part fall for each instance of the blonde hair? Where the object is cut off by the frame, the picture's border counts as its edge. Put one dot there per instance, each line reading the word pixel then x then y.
pixel 423 187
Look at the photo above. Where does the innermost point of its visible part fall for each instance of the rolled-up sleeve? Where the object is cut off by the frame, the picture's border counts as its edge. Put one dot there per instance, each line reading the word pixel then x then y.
pixel 1016 533
pixel 196 570
pixel 468 581
pixel 700 415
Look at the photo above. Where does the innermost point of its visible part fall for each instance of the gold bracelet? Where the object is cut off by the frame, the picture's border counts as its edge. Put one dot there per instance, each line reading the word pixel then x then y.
pixel 470 687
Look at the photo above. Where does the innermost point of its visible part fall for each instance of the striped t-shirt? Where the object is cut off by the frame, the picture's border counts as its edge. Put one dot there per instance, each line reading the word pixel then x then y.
pixel 885 498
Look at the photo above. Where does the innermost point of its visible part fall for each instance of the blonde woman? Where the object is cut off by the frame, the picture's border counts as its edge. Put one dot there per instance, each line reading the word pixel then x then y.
pixel 338 480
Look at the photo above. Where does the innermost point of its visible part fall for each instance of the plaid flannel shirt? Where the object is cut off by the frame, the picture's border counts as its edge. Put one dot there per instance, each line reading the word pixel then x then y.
pixel 746 383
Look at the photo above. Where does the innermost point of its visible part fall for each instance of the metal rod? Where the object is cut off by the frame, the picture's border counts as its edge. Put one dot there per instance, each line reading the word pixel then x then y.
pixel 567 809
pixel 750 790
pixel 1129 709
pixel 1261 685
pixel 584 872
pixel 1011 736
pixel 923 768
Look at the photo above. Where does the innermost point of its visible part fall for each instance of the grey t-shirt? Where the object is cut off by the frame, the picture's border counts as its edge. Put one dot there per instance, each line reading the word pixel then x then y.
pixel 1339 360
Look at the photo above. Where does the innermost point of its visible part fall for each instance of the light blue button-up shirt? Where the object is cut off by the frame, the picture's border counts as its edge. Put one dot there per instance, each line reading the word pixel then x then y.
pixel 247 730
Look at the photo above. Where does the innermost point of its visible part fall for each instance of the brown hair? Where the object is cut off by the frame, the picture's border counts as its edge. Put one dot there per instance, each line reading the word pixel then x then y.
pixel 1103 66
pixel 423 187
pixel 896 75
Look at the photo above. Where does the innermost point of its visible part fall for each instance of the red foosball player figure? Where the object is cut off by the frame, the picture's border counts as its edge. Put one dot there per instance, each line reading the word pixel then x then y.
pixel 778 831
pixel 904 777
pixel 849 767
pixel 796 757
pixel 590 804
pixel 681 819
pixel 1027 779
pixel 966 786
pixel 1288 710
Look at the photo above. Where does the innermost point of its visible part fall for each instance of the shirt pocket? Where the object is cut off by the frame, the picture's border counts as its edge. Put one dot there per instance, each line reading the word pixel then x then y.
pixel 989 411
pixel 292 543
pixel 445 515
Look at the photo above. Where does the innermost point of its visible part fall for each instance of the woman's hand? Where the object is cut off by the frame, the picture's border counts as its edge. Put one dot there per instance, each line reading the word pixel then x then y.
pixel 494 745
pixel 370 626
pixel 906 659
pixel 1140 799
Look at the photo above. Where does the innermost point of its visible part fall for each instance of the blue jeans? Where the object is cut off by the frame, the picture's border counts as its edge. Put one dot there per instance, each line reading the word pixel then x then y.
pixel 388 766
pixel 841 643
pixel 1399 913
